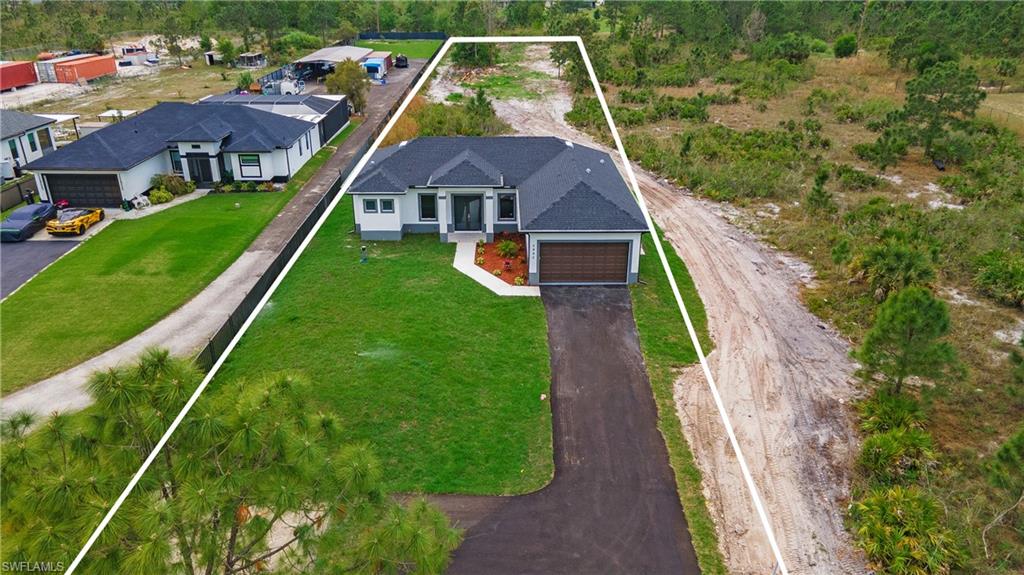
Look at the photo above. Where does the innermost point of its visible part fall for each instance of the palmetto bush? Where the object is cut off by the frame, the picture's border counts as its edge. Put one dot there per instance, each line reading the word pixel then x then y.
pixel 900 529
pixel 886 412
pixel 507 249
pixel 251 458
pixel 897 455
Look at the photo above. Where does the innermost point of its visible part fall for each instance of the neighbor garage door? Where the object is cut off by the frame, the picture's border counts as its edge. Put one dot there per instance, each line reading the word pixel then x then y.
pixel 583 262
pixel 85 190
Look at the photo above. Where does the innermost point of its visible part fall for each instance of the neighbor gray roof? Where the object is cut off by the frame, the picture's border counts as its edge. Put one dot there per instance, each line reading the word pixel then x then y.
pixel 127 143
pixel 283 104
pixel 562 186
pixel 14 123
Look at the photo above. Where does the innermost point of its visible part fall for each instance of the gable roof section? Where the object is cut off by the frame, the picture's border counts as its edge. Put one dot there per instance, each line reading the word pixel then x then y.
pixel 562 187
pixel 212 130
pixel 14 123
pixel 127 143
pixel 467 169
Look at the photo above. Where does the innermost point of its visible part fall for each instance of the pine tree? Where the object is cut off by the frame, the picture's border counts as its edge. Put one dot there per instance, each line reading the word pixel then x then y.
pixel 906 339
pixel 252 459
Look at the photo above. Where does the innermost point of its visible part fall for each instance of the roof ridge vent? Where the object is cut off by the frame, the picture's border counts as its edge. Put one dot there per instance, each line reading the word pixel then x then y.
pixel 568 143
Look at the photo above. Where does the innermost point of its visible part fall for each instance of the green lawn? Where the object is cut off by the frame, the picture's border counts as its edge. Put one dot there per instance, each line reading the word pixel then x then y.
pixel 123 280
pixel 666 346
pixel 439 375
pixel 411 48
pixel 129 276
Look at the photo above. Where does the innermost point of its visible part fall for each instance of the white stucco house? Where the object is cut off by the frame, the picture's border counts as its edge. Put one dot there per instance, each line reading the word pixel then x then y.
pixel 25 138
pixel 582 223
pixel 203 143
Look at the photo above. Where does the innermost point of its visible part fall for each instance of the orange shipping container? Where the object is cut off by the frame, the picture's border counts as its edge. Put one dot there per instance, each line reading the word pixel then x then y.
pixel 85 69
pixel 17 74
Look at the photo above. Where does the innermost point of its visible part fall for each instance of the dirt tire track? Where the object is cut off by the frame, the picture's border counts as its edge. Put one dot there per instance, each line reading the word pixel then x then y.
pixel 785 378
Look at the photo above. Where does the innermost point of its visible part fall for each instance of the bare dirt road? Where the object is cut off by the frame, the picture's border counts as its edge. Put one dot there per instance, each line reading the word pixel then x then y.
pixel 785 378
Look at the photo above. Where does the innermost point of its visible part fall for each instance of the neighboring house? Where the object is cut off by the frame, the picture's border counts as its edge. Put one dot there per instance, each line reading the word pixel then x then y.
pixel 329 113
pixel 25 138
pixel 582 223
pixel 202 143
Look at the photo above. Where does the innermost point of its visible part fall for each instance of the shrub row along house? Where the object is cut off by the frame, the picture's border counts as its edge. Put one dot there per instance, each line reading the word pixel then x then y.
pixel 583 225
pixel 204 143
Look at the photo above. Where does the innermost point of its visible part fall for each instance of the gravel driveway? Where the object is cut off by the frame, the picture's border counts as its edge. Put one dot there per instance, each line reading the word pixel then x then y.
pixel 612 506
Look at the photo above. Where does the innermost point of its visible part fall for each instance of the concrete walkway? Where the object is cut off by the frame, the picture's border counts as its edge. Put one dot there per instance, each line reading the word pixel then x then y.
pixel 189 328
pixel 465 253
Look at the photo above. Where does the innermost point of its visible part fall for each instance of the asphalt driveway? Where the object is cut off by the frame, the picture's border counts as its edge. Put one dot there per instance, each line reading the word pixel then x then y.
pixel 612 506
pixel 19 262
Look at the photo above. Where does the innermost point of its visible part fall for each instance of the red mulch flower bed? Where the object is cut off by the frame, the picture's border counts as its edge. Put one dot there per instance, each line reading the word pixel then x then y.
pixel 510 268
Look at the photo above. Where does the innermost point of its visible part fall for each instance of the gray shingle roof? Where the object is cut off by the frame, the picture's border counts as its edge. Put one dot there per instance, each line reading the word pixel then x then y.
pixel 127 143
pixel 561 187
pixel 314 104
pixel 13 123
pixel 466 169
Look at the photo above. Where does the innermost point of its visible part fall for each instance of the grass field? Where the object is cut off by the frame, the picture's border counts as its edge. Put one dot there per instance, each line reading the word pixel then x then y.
pixel 439 375
pixel 171 84
pixel 421 49
pixel 1006 109
pixel 666 346
pixel 129 276
pixel 123 280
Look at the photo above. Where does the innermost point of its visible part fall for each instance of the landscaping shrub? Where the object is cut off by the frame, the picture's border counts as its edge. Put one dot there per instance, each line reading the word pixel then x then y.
pixel 507 248
pixel 172 183
pixel 160 196
pixel 896 456
pixel 1001 276
pixel 520 280
pixel 885 412
pixel 845 46
pixel 267 187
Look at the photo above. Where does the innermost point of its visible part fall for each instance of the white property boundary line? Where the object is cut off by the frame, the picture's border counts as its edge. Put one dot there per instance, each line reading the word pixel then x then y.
pixel 758 505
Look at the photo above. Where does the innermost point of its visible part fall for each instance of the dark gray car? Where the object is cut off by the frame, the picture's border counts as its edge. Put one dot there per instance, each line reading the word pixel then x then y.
pixel 26 221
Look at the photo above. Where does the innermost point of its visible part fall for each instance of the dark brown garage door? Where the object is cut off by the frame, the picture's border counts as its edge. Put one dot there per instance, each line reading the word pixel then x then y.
pixel 583 262
pixel 85 190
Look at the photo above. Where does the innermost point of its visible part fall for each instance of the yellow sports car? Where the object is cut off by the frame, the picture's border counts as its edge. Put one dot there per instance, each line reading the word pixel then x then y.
pixel 74 220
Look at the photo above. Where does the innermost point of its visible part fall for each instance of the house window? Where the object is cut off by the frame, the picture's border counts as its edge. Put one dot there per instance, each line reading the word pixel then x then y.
pixel 250 165
pixel 428 206
pixel 14 148
pixel 175 162
pixel 387 206
pixel 370 206
pixel 506 206
pixel 197 147
pixel 44 138
pixel 32 142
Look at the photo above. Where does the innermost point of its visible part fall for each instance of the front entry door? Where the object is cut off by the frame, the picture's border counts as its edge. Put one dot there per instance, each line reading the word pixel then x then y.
pixel 199 170
pixel 467 212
